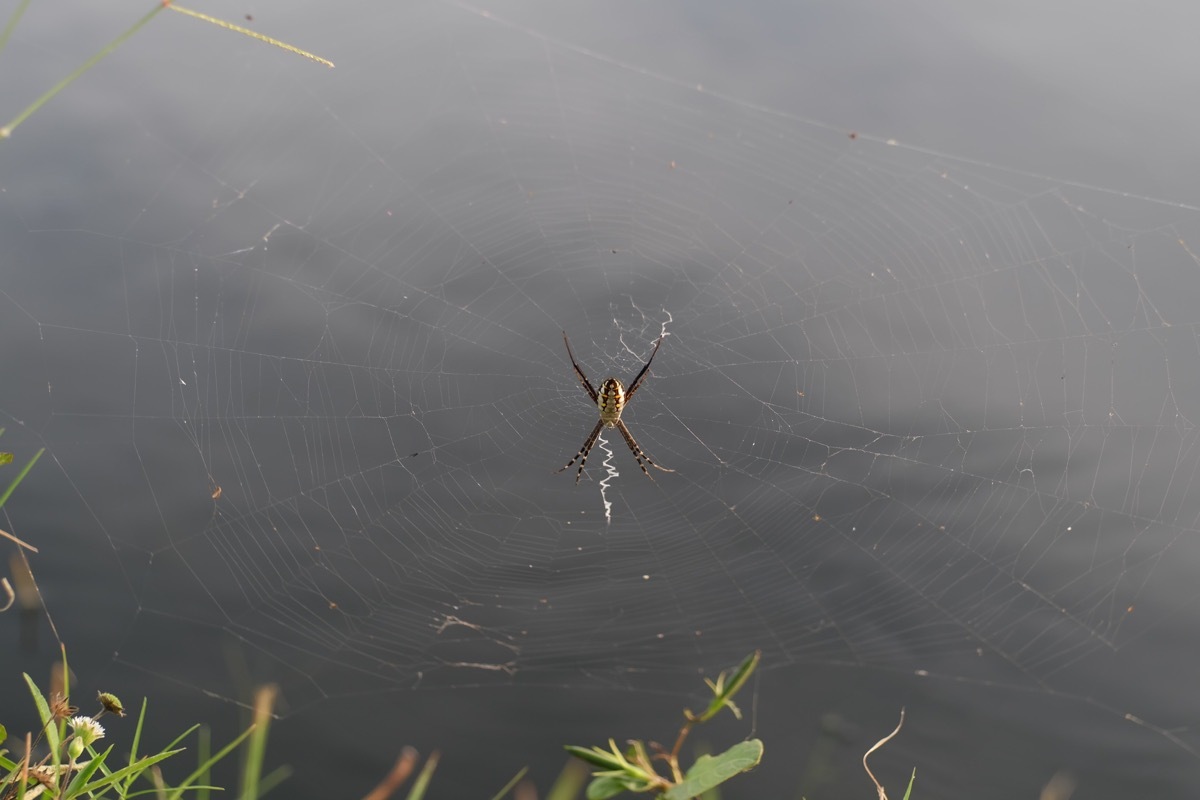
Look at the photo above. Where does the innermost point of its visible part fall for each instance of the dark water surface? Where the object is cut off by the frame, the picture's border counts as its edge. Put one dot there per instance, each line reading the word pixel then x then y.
pixel 292 340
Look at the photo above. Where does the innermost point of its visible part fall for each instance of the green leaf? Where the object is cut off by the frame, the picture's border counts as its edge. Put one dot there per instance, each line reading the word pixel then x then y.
pixel 136 768
pixel 5 458
pixel 3 734
pixel 710 771
pixel 46 717
pixel 84 775
pixel 743 673
pixel 608 786
pixel 723 691
pixel 911 780
pixel 38 700
pixel 597 757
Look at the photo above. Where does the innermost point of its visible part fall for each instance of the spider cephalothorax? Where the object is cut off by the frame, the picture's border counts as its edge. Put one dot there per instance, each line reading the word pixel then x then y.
pixel 611 401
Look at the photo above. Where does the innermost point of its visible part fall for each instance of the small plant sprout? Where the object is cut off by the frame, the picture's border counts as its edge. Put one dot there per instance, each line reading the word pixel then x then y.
pixel 632 769
pixel 72 767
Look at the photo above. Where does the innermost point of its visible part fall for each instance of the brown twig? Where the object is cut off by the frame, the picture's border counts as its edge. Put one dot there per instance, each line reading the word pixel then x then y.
pixel 9 593
pixel 879 786
pixel 395 779
pixel 673 756
pixel 20 543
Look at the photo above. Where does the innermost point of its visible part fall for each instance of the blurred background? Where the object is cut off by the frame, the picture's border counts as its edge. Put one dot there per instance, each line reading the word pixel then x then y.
pixel 292 340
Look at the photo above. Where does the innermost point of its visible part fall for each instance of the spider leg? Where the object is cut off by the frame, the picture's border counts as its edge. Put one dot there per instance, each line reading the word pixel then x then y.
pixel 579 371
pixel 637 451
pixel 583 451
pixel 637 381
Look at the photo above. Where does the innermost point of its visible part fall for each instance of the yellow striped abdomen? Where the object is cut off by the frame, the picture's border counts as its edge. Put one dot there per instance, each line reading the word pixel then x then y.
pixel 611 400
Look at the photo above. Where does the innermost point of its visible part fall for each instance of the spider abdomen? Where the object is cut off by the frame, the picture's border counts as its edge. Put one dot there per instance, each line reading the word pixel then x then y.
pixel 611 400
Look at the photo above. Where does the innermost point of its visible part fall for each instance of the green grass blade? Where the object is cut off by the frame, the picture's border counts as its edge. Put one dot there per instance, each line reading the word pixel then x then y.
pixel 203 753
pixel 422 783
pixel 273 779
pixel 20 476
pixel 513 782
pixel 134 769
pixel 229 26
pixel 203 768
pixel 183 735
pixel 264 702
pixel 18 12
pixel 137 740
pixel 7 130
pixel 154 790
pixel 568 783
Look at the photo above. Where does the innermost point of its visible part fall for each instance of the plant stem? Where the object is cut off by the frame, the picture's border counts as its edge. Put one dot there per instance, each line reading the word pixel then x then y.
pixel 673 759
pixel 7 130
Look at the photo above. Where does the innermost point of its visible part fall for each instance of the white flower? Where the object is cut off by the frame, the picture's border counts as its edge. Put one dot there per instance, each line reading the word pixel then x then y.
pixel 87 730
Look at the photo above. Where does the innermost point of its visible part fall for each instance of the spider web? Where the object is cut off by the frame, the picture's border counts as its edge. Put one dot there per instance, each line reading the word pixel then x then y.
pixel 303 388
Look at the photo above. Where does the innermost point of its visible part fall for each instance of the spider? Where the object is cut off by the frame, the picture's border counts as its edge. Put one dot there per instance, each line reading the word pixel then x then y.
pixel 611 399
